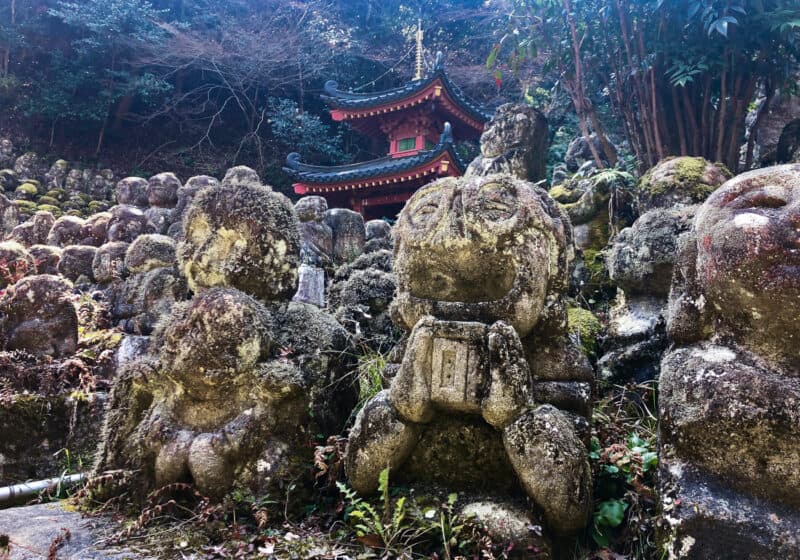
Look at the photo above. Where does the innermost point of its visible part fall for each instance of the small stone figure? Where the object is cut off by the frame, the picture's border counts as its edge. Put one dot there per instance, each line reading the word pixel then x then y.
pixel 379 236
pixel 132 191
pixel 349 234
pixel 234 382
pixel 481 266
pixel 515 142
pixel 316 250
pixel 39 317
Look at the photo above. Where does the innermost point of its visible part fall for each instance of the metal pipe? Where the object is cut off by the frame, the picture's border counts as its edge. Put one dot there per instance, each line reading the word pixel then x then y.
pixel 14 492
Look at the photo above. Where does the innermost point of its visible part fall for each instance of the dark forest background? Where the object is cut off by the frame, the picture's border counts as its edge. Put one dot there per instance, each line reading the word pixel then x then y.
pixel 195 86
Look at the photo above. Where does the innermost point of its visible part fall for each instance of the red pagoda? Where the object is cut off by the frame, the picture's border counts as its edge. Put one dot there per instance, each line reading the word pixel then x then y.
pixel 419 120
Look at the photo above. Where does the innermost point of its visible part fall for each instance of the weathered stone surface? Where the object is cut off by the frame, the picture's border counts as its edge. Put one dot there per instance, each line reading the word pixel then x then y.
pixel 9 216
pixel 28 166
pixel 6 152
pixel 349 234
pixel 680 181
pixel 378 236
pixel 241 176
pixel 15 262
pixel 67 230
pixel 39 316
pixel 579 153
pixel 544 440
pixel 46 258
pixel 778 130
pixel 217 405
pixel 514 142
pixel 316 249
pixel 162 190
pixel 378 439
pixel 57 174
pixel 127 223
pixel 310 285
pixel 95 229
pixel 707 521
pixel 599 206
pixel 186 195
pixel 33 528
pixel 716 399
pixel 144 298
pixel 35 427
pixel 244 236
pixel 160 219
pixel 76 262
pixel 481 266
pixel 316 237
pixel 360 297
pixel 109 262
pixel 501 267
pixel 132 191
pixel 732 381
pixel 150 251
pixel 35 230
pixel 641 258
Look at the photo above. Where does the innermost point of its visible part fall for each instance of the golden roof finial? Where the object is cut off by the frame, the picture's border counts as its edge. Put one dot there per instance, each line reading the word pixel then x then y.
pixel 418 74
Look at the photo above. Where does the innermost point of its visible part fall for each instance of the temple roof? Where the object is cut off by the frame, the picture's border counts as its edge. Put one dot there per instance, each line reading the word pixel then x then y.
pixel 349 101
pixel 354 172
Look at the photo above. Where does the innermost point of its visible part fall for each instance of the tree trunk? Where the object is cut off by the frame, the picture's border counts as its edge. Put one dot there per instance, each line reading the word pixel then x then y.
pixel 580 106
pixel 679 120
pixel 751 140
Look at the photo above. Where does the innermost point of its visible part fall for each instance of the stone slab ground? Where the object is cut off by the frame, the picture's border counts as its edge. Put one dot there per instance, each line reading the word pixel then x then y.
pixel 31 530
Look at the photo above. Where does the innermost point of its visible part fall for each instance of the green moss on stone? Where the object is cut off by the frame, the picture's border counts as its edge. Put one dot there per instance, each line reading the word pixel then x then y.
pixel 54 210
pixel 563 195
pixel 686 174
pixel 584 323
pixel 49 200
pixel 27 190
pixel 26 206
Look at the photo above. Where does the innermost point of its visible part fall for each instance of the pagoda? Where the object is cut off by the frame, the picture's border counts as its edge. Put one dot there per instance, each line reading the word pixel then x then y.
pixel 419 121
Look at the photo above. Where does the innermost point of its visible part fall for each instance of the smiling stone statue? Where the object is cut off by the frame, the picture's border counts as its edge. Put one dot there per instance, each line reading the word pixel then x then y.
pixel 730 388
pixel 481 267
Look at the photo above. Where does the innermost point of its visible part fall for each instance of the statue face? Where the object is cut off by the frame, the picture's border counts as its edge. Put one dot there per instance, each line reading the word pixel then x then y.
pixel 162 189
pixel 748 235
pixel 311 208
pixel 483 248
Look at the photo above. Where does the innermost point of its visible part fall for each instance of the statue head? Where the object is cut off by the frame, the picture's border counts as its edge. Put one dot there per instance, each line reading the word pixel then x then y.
pixel 311 208
pixel 481 249
pixel 744 262
pixel 246 237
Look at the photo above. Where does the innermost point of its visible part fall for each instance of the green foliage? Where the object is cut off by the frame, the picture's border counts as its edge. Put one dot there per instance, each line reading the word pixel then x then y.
pixel 624 460
pixel 586 325
pixel 304 132
pixel 370 375
pixel 399 524
pixel 384 525
pixel 695 60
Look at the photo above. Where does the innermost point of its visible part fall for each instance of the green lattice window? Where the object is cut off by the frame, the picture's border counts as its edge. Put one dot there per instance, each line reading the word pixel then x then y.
pixel 406 144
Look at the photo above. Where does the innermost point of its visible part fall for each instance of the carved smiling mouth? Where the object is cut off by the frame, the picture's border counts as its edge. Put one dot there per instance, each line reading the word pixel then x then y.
pixel 472 279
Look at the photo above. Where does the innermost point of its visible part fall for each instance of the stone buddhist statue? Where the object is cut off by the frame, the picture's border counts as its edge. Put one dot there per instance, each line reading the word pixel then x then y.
pixel 316 250
pixel 730 386
pixel 490 394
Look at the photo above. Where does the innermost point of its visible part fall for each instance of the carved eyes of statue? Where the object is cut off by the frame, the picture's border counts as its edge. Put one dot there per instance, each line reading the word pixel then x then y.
pixel 770 196
pixel 426 209
pixel 494 202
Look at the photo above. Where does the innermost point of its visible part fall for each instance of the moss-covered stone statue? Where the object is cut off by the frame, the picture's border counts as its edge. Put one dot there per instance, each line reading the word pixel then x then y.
pixel 491 394
pixel 237 381
pixel 730 387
